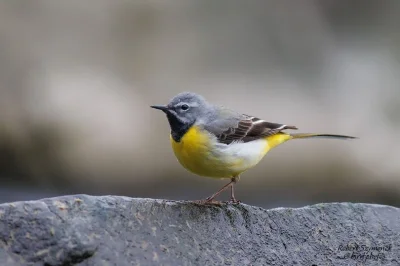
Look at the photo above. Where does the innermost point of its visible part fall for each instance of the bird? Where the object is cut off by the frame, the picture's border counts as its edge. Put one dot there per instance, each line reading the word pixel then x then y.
pixel 218 142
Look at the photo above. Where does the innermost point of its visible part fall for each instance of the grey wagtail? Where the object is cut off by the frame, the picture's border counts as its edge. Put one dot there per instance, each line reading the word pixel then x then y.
pixel 214 141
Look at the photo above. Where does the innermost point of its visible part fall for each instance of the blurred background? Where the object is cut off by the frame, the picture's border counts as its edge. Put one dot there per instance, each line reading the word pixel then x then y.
pixel 77 79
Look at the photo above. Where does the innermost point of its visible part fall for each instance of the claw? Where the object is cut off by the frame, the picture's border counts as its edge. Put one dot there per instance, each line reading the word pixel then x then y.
pixel 233 201
pixel 208 202
pixel 209 199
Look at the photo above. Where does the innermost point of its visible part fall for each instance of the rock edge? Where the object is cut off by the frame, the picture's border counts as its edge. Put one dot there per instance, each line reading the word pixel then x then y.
pixel 113 230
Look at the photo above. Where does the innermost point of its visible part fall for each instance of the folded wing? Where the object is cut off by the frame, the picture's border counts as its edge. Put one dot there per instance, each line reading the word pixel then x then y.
pixel 243 128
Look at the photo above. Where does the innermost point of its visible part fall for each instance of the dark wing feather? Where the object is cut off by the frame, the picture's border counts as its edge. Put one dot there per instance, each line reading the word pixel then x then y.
pixel 250 128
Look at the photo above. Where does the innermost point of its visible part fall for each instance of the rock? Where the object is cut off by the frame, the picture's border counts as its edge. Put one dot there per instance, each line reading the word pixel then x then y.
pixel 111 230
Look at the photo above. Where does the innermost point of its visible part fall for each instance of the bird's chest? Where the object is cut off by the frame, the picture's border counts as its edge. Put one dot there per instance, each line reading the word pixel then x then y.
pixel 193 150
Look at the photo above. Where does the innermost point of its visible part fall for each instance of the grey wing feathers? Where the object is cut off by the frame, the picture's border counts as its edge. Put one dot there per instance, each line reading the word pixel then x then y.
pixel 243 128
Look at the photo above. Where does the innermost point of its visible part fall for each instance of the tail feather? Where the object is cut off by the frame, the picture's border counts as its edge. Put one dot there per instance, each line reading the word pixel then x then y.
pixel 313 135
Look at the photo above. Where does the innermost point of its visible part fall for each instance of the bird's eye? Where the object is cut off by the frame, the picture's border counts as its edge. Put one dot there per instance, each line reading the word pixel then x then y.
pixel 184 107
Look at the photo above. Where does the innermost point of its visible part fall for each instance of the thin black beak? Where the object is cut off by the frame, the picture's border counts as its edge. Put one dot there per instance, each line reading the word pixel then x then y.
pixel 163 108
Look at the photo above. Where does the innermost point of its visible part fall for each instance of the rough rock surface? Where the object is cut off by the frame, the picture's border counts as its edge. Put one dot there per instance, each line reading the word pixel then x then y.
pixel 110 230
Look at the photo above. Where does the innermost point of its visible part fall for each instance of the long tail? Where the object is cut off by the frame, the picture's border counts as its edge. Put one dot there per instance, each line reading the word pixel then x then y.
pixel 313 135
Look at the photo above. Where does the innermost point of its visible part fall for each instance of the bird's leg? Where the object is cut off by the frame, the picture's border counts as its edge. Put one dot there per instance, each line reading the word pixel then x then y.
pixel 211 198
pixel 233 199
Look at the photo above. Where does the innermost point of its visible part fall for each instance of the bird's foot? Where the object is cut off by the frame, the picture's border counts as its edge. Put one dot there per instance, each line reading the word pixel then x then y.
pixel 208 201
pixel 233 201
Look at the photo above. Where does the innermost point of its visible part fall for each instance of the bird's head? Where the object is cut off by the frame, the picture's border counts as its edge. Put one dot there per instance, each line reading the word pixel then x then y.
pixel 184 110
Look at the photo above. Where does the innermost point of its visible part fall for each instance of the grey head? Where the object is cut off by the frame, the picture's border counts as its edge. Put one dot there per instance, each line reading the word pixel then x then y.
pixel 184 110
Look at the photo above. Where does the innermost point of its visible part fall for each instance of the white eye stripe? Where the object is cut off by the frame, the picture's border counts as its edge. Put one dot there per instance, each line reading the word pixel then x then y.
pixel 190 105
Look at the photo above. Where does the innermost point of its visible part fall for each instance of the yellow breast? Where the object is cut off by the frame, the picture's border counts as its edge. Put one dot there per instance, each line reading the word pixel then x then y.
pixel 194 152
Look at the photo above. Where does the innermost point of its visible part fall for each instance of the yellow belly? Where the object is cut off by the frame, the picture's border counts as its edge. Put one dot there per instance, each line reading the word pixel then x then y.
pixel 198 153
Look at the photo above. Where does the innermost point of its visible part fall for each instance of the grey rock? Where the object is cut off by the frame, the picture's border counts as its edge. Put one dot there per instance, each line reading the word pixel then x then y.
pixel 111 230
